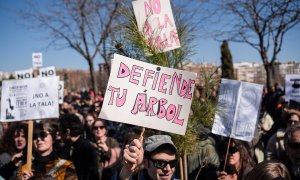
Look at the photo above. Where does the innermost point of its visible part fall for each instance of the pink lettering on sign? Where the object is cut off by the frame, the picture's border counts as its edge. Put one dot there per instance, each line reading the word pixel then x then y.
pixel 161 82
pixel 140 103
pixel 135 73
pixel 152 5
pixel 170 112
pixel 120 100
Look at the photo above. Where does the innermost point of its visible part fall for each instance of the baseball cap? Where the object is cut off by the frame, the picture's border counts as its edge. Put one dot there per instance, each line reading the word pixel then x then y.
pixel 155 141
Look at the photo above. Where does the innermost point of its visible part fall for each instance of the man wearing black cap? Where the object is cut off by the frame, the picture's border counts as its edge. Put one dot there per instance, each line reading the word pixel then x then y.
pixel 159 156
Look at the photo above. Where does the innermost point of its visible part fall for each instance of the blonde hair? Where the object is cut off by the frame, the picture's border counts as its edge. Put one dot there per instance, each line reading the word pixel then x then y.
pixel 268 170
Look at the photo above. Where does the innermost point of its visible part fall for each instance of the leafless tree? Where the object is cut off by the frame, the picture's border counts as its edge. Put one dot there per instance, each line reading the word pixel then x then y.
pixel 262 24
pixel 83 25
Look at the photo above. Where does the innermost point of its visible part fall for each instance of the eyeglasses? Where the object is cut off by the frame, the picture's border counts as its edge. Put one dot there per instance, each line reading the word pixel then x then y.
pixel 97 127
pixel 41 134
pixel 233 149
pixel 160 164
pixel 294 145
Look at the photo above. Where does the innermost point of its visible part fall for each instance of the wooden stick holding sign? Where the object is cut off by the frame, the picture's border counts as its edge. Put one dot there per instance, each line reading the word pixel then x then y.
pixel 29 145
pixel 225 161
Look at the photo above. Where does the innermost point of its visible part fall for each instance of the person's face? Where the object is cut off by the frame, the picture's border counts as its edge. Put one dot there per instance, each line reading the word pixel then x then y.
pixel 293 148
pixel 233 155
pixel 294 119
pixel 158 168
pixel 89 120
pixel 4 125
pixel 99 129
pixel 42 142
pixel 20 139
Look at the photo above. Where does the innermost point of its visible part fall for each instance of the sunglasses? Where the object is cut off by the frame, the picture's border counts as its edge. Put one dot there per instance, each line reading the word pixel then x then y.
pixel 97 127
pixel 294 145
pixel 42 135
pixel 233 149
pixel 160 164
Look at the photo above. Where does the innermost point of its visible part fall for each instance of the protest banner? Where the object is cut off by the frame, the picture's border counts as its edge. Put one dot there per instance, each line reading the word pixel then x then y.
pixel 292 87
pixel 37 60
pixel 24 74
pixel 47 71
pixel 148 95
pixel 155 20
pixel 29 99
pixel 237 109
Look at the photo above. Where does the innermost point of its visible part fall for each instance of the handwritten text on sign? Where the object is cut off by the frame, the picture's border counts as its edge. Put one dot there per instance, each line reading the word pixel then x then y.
pixel 35 98
pixel 148 95
pixel 156 21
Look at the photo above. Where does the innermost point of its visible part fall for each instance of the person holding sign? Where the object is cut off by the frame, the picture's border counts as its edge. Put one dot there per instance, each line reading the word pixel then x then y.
pixel 12 150
pixel 159 156
pixel 45 159
pixel 238 163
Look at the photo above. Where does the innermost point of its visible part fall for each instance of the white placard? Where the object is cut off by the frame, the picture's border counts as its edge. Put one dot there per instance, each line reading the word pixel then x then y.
pixel 47 71
pixel 156 21
pixel 61 92
pixel 24 74
pixel 29 99
pixel 238 109
pixel 37 60
pixel 148 95
pixel 292 87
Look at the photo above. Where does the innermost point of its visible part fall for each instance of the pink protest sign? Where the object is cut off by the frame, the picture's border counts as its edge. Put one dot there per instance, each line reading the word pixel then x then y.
pixel 156 21
pixel 148 95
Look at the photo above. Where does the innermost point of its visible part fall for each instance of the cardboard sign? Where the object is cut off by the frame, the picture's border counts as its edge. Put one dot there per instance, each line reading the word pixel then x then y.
pixel 156 21
pixel 47 71
pixel 37 60
pixel 148 95
pixel 29 99
pixel 24 74
pixel 238 109
pixel 292 87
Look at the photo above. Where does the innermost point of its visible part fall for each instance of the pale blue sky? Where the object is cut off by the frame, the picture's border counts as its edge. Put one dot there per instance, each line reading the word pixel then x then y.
pixel 18 43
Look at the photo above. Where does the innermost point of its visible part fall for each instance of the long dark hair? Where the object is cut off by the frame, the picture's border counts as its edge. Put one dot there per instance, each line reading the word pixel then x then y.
pixel 7 143
pixel 245 157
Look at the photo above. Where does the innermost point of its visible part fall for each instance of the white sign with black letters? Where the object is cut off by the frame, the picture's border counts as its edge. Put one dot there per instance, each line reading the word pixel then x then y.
pixel 29 99
pixel 292 87
pixel 47 71
pixel 37 60
pixel 24 74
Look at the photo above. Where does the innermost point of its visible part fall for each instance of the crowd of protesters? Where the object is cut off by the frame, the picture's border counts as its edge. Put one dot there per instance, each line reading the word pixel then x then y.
pixel 78 145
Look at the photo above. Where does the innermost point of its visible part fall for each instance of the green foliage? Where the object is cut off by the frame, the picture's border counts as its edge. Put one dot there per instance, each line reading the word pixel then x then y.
pixel 132 43
pixel 226 60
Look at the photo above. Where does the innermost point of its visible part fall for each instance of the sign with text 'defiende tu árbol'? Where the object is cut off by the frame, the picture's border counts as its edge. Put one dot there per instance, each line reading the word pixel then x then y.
pixel 29 99
pixel 148 95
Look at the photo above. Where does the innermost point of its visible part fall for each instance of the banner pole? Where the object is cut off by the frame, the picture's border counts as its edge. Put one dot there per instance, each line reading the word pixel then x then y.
pixel 226 154
pixel 29 145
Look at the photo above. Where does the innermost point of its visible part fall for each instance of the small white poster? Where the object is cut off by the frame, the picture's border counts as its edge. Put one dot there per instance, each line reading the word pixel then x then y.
pixel 238 109
pixel 37 60
pixel 24 74
pixel 155 20
pixel 148 95
pixel 47 71
pixel 29 99
pixel 292 87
